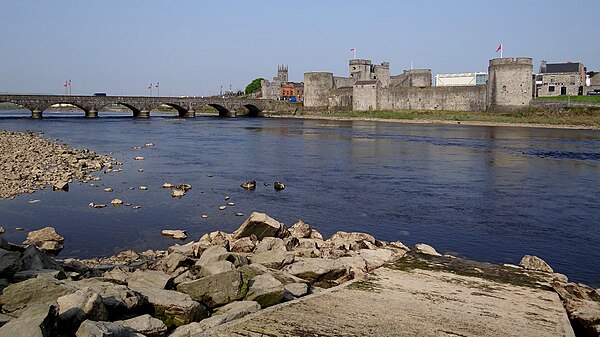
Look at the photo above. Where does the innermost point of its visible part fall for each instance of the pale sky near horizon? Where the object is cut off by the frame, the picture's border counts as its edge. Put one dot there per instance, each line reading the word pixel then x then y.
pixel 195 47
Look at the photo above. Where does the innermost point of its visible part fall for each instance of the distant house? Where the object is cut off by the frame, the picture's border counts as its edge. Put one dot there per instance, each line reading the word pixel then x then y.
pixel 561 79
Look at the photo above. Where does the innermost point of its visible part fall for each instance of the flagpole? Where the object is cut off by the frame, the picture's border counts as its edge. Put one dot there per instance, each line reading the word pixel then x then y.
pixel 501 50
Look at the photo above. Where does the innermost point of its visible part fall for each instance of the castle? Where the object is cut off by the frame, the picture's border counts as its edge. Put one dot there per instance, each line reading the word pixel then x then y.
pixel 370 87
pixel 282 89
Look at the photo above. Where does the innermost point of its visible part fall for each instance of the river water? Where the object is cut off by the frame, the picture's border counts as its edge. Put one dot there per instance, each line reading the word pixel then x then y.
pixel 486 193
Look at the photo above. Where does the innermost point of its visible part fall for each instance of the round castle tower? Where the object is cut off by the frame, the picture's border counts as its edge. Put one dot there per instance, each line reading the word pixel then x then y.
pixel 510 84
pixel 317 86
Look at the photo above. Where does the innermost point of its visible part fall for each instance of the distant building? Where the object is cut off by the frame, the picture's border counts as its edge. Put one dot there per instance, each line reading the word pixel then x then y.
pixel 281 88
pixel 561 79
pixel 462 79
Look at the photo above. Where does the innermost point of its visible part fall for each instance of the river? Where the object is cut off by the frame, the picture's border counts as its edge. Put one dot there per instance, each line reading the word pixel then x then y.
pixel 486 193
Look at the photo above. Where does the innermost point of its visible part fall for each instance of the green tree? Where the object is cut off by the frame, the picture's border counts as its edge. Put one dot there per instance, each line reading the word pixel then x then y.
pixel 253 86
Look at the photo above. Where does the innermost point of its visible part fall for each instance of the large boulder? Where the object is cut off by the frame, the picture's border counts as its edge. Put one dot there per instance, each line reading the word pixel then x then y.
pixel 10 263
pixel 265 289
pixel 34 259
pixel 211 254
pixel 535 263
pixel 375 258
pixel 244 245
pixel 300 230
pixel 172 307
pixel 216 238
pixel 221 315
pixel 216 267
pixel 215 290
pixel 146 325
pixel 261 225
pixel 296 289
pixel 39 320
pixel 41 290
pixel 120 301
pixel 81 305
pixel 46 239
pixel 176 260
pixel 103 329
pixel 315 269
pixel 274 259
pixel 149 279
pixel 270 243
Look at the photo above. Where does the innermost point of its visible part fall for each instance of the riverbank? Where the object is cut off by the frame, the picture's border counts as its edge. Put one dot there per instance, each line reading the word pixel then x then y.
pixel 576 119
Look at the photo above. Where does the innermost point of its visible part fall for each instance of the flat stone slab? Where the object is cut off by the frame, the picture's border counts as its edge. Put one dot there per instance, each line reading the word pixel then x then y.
pixel 415 300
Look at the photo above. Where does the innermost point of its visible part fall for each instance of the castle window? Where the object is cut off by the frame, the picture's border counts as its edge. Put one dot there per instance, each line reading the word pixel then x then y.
pixel 551 88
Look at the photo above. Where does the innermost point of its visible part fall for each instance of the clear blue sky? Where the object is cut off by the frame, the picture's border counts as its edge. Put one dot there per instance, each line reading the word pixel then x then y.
pixel 194 47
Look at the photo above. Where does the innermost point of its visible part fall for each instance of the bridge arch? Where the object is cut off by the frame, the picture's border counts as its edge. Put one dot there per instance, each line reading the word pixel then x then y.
pixel 223 111
pixel 9 105
pixel 253 110
pixel 134 110
pixel 181 111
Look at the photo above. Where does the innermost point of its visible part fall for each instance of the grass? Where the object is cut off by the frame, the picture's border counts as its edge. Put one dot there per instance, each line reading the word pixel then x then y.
pixel 576 99
pixel 580 116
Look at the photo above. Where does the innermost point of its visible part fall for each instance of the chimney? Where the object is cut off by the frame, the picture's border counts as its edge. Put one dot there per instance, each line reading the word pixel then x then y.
pixel 542 67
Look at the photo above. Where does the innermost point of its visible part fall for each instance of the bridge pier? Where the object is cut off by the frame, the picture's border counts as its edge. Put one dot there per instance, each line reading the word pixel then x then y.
pixel 189 114
pixel 143 114
pixel 91 114
pixel 36 114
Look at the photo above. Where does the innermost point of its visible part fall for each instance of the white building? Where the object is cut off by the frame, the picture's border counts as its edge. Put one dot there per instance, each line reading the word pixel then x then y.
pixel 463 79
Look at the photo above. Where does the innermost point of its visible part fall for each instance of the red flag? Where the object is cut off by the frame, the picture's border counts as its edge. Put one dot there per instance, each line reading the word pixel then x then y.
pixel 66 83
pixel 499 48
pixel 157 84
pixel 150 86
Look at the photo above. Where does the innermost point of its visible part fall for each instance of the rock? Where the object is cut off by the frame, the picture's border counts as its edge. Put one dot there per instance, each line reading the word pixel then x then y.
pixel 584 316
pixel 176 260
pixel 215 290
pixel 349 241
pixel 252 270
pixel 177 193
pixel 275 259
pixel 231 204
pixel 19 296
pixel 45 239
pixel 278 186
pixel 5 319
pixel 10 263
pixel 212 254
pixel 214 268
pixel 120 301
pixel 103 329
pixel 39 320
pixel 81 305
pixel 249 185
pixel 300 230
pixel 149 279
pixel 222 207
pixel 117 202
pixel 399 245
pixel 167 185
pixel 296 289
pixel 139 158
pixel 27 274
pixel 143 188
pixel 535 263
pixel 146 325
pixel 172 307
pixel 375 258
pixel 175 233
pixel 108 189
pixel 426 249
pixel 96 205
pixel 117 274
pixel 315 269
pixel 187 249
pixel 244 245
pixel 260 225
pixel 356 266
pixel 227 313
pixel 149 144
pixel 61 186
pixel 2 230
pixel 265 289
pixel 270 243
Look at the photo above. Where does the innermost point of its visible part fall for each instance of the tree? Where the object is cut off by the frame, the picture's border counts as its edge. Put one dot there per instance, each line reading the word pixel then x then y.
pixel 253 86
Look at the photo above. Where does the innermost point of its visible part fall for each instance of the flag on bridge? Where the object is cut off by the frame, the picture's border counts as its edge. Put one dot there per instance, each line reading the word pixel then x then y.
pixel 150 86
pixel 157 84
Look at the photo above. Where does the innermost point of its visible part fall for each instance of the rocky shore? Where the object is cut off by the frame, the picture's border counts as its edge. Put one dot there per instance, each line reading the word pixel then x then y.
pixel 192 289
pixel 29 162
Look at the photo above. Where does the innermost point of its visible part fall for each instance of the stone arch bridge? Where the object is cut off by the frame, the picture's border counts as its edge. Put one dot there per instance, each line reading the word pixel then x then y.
pixel 141 106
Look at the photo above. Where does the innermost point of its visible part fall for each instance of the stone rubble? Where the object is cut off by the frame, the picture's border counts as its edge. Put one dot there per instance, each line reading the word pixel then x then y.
pixel 29 162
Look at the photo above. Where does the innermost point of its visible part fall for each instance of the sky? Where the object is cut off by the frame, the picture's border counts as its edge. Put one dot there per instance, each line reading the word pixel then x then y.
pixel 196 47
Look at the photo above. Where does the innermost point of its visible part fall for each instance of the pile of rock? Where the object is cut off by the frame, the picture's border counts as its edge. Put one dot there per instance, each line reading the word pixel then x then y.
pixel 182 291
pixel 29 162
